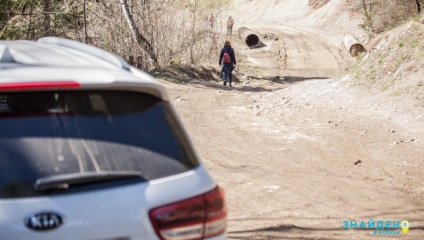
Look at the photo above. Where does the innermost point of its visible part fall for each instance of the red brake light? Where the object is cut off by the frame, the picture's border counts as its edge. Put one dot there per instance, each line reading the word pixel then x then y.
pixel 195 218
pixel 216 219
pixel 38 85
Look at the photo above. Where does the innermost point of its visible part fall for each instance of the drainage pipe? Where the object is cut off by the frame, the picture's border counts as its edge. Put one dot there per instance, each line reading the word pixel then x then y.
pixel 353 45
pixel 250 38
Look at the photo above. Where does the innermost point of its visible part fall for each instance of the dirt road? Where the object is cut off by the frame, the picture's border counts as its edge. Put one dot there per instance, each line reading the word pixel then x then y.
pixel 297 153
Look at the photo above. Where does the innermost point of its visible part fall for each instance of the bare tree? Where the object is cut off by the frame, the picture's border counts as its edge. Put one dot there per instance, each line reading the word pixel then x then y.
pixel 47 12
pixel 193 31
pixel 30 19
pixel 140 39
pixel 85 21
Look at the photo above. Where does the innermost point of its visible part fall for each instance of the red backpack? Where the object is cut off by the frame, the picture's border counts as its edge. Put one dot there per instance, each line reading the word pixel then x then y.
pixel 226 58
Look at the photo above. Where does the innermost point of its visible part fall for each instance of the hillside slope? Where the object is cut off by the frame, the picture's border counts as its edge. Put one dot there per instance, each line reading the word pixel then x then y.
pixel 335 17
pixel 393 67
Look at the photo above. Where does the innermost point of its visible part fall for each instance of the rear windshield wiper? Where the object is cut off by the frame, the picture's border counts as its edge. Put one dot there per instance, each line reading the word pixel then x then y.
pixel 64 181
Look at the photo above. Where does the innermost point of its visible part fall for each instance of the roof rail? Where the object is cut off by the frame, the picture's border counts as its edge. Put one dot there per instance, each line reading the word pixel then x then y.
pixel 94 51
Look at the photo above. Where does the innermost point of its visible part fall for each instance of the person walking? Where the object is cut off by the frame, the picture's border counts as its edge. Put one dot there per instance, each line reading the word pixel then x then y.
pixel 230 24
pixel 227 60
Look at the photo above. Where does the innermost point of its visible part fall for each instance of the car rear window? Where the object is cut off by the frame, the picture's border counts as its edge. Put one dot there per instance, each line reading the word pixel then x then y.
pixel 51 133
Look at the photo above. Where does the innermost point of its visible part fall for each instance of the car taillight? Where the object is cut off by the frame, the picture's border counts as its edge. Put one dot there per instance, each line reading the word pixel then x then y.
pixel 195 218
pixel 39 85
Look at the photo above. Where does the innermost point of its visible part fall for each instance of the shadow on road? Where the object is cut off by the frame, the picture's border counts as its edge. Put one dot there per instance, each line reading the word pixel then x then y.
pixel 211 78
pixel 268 232
pixel 286 79
pixel 283 82
pixel 260 45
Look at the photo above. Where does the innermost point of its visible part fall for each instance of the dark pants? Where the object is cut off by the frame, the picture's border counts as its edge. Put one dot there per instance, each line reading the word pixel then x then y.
pixel 227 71
pixel 229 30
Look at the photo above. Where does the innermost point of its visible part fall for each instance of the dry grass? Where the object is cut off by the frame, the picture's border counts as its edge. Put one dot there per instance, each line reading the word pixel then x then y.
pixel 387 14
pixel 395 64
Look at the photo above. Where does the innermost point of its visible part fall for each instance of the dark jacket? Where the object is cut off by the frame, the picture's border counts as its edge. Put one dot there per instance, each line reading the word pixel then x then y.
pixel 230 50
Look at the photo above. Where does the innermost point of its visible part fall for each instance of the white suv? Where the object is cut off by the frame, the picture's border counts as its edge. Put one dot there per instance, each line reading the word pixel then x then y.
pixel 91 149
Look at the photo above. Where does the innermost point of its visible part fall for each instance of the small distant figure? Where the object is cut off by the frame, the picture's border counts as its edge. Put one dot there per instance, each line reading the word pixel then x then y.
pixel 230 24
pixel 212 21
pixel 227 60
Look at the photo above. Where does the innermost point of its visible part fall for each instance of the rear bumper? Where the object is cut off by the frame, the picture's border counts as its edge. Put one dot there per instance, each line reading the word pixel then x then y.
pixel 117 213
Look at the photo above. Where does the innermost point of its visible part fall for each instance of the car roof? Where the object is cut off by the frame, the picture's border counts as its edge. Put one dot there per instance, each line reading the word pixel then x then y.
pixel 54 59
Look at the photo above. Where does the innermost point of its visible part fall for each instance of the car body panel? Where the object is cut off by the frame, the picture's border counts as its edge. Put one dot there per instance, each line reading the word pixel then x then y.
pixel 101 79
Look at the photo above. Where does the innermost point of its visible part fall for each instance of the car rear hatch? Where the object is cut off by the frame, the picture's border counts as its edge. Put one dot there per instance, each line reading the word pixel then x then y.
pixel 89 164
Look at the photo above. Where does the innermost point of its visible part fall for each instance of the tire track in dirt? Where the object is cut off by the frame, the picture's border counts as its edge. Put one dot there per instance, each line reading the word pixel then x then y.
pixel 294 54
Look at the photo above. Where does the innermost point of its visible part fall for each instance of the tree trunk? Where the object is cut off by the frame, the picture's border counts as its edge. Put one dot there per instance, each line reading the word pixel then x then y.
pixel 193 33
pixel 30 19
pixel 141 40
pixel 46 23
pixel 85 21
pixel 418 6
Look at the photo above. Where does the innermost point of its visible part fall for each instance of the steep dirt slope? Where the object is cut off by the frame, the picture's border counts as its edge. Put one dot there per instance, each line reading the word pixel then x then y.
pixel 290 54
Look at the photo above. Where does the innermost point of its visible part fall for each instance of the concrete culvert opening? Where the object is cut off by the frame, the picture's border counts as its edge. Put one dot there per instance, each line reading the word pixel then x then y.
pixel 353 45
pixel 250 38
pixel 356 49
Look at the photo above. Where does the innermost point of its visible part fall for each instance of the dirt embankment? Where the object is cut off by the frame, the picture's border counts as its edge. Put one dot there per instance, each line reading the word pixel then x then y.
pixel 394 66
